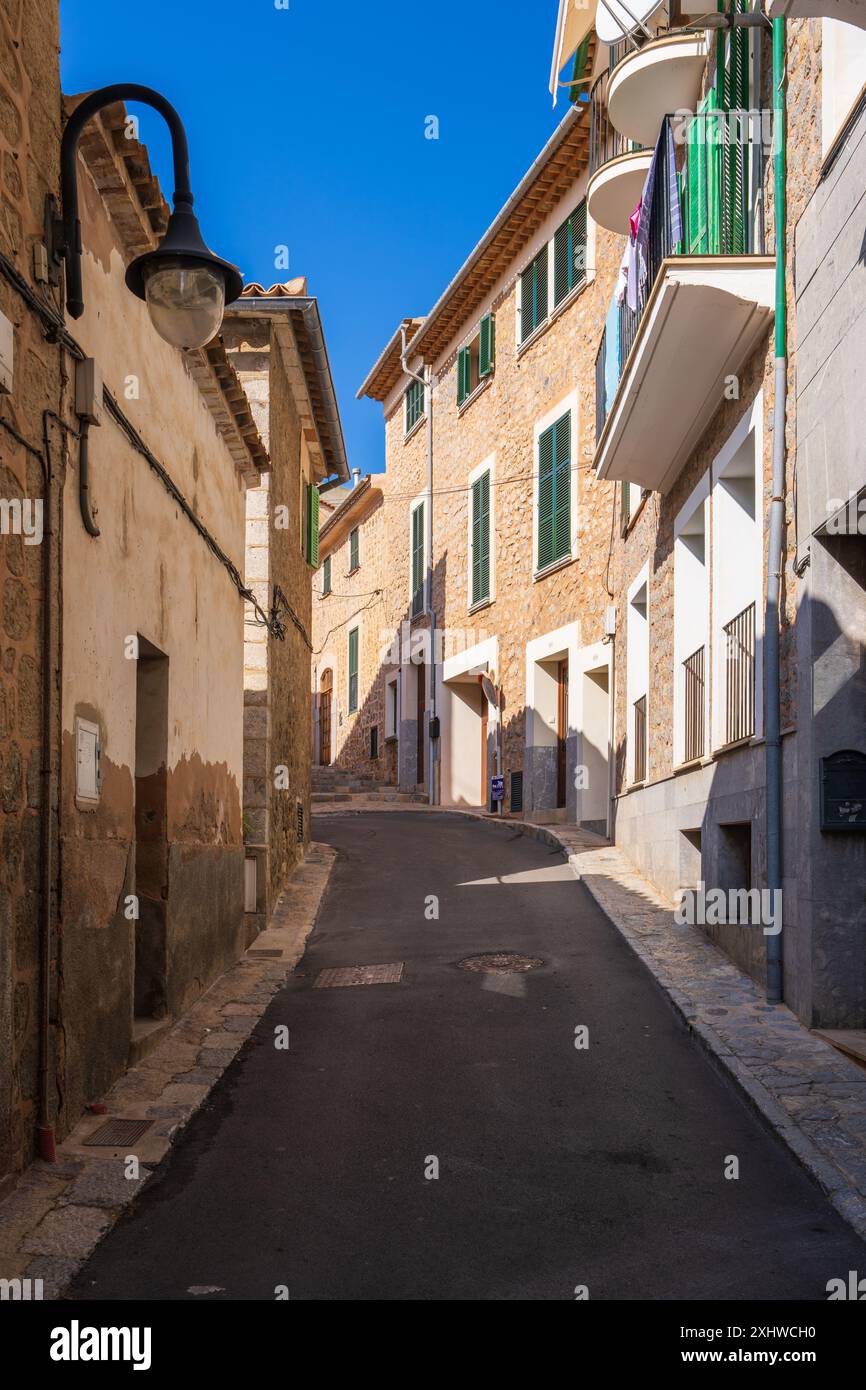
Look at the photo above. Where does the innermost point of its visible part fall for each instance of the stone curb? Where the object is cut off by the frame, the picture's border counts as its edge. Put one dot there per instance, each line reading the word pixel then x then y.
pixel 56 1214
pixel 849 1203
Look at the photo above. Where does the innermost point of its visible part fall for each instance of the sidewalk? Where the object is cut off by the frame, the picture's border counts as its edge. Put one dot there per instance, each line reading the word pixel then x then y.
pixel 806 1091
pixel 58 1212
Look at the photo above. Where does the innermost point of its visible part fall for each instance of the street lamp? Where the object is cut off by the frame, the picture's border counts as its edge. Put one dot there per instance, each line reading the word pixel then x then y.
pixel 185 286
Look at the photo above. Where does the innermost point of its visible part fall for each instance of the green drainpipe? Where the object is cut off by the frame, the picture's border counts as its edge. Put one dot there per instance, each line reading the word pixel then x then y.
pixel 775 551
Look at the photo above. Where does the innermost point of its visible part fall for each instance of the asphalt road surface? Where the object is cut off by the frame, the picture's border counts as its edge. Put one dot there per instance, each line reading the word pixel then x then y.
pixel 311 1168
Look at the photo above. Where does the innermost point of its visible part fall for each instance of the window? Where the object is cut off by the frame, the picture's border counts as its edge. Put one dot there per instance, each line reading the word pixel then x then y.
pixel 354 560
pixel 637 679
pixel 326 576
pixel 554 493
pixel 533 295
pixel 632 496
pixel 691 626
pixel 417 559
pixel 391 708
pixel 475 363
pixel 414 404
pixel 374 740
pixel 479 589
pixel 353 670
pixel 569 255
pixel 311 548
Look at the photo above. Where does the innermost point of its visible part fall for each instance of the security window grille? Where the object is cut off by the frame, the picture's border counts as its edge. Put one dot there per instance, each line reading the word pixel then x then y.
pixel 354 552
pixel 353 670
pixel 569 255
pixel 639 726
pixel 554 493
pixel 414 404
pixel 533 295
pixel 312 528
pixel 693 675
pixel 326 576
pixel 418 560
pixel 481 539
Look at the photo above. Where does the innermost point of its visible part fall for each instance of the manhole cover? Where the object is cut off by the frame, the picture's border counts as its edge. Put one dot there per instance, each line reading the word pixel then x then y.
pixel 360 975
pixel 500 963
pixel 116 1134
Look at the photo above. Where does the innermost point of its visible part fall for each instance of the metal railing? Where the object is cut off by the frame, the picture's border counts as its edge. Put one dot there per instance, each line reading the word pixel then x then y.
pixel 715 164
pixel 639 724
pixel 694 705
pixel 740 676
pixel 605 141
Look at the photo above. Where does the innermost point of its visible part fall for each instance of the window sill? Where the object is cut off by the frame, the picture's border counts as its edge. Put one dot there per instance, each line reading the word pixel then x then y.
pixel 349 573
pixel 636 516
pixel 481 604
pixel 551 319
pixel 479 390
pixel 324 596
pixel 552 569
pixel 410 434
pixel 533 338
pixel 390 738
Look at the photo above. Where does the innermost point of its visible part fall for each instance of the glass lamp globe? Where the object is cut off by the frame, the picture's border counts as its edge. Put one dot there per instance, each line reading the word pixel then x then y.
pixel 185 300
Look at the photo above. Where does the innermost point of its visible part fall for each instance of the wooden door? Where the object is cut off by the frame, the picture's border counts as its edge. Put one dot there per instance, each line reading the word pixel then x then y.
pixel 325 718
pixel 421 710
pixel 561 732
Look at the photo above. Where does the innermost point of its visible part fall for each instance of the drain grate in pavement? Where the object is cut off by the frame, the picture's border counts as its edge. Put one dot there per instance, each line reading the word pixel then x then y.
pixel 264 953
pixel 500 963
pixel 114 1134
pixel 360 975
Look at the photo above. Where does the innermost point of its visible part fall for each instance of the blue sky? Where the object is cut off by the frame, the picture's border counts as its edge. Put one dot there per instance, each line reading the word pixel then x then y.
pixel 306 129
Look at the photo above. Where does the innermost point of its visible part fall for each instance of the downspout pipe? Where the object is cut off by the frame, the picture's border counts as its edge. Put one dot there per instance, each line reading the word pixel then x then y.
pixel 776 541
pixel 426 380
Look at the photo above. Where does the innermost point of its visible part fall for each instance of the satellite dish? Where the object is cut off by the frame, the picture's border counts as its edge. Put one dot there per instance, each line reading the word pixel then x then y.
pixel 490 691
pixel 614 19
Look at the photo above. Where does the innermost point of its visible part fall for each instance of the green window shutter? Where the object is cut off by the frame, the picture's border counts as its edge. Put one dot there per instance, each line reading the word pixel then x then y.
pixel 326 575
pixel 569 254
pixel 545 554
pixel 464 371
pixel 313 525
pixel 414 404
pixel 418 560
pixel 533 295
pixel 353 670
pixel 733 81
pixel 487 346
pixel 579 69
pixel 353 549
pixel 562 488
pixel 481 538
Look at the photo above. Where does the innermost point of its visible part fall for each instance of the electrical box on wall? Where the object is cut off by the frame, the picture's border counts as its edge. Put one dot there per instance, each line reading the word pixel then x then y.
pixel 88 757
pixel 7 350
pixel 88 391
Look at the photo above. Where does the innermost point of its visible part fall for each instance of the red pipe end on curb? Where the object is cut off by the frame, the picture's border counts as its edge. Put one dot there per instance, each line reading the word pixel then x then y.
pixel 47 1144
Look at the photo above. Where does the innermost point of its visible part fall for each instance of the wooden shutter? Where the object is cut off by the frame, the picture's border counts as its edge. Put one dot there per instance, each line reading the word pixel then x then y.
pixel 313 525
pixel 353 549
pixel 546 444
pixel 569 254
pixel 562 487
pixel 353 670
pixel 733 87
pixel 464 374
pixel 486 346
pixel 417 560
pixel 481 538
pixel 533 295
pixel 326 575
pixel 540 287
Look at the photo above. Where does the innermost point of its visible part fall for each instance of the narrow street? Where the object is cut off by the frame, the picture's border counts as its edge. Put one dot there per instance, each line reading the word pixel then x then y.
pixel 557 1166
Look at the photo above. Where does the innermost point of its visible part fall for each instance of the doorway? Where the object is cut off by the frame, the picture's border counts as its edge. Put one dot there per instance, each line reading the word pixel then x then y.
pixel 561 734
pixel 421 709
pixel 326 686
pixel 151 831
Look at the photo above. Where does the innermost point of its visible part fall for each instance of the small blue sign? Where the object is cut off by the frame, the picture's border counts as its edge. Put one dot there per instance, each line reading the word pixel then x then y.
pixel 497 789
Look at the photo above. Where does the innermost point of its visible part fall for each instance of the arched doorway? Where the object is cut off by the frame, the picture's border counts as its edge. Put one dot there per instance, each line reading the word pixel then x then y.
pixel 326 685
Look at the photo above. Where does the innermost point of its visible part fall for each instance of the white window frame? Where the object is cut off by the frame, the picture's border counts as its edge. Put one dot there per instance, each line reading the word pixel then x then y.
pixel 568 403
pixel 633 693
pixel 684 645
pixel 488 466
pixel 751 422
pixel 392 717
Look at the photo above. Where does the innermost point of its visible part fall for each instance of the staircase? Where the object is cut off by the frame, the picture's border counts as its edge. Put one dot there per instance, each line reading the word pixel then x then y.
pixel 338 787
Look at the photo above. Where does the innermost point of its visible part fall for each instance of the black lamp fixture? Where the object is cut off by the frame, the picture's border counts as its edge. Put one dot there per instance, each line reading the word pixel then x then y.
pixel 185 286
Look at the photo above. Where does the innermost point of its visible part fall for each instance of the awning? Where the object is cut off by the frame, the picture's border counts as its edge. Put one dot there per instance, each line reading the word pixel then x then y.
pixel 573 23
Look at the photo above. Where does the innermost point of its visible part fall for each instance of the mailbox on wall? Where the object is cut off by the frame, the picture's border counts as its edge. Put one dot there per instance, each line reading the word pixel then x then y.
pixel 843 791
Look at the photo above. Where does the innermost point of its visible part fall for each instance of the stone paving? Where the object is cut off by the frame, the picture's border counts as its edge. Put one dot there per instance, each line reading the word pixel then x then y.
pixel 811 1095
pixel 58 1212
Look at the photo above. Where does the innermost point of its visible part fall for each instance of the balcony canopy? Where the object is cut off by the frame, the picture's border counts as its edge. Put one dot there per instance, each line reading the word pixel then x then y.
pixel 704 319
pixel 573 23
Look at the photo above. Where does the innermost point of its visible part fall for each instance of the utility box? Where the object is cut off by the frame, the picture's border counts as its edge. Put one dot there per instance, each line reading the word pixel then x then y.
pixel 7 351
pixel 88 756
pixel 843 791
pixel 88 391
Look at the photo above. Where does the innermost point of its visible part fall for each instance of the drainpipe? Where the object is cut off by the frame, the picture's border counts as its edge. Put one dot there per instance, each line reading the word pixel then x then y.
pixel 775 555
pixel 427 382
pixel 45 1131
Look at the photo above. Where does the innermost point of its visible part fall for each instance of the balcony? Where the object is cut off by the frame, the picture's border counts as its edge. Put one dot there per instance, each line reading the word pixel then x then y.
pixel 706 302
pixel 617 167
pixel 661 76
pixel 739 636
pixel 848 11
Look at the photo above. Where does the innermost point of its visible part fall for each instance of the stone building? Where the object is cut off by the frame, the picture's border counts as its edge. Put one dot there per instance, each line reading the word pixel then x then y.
pixel 353 726
pixel 276 345
pixel 125 464
pixel 516 677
